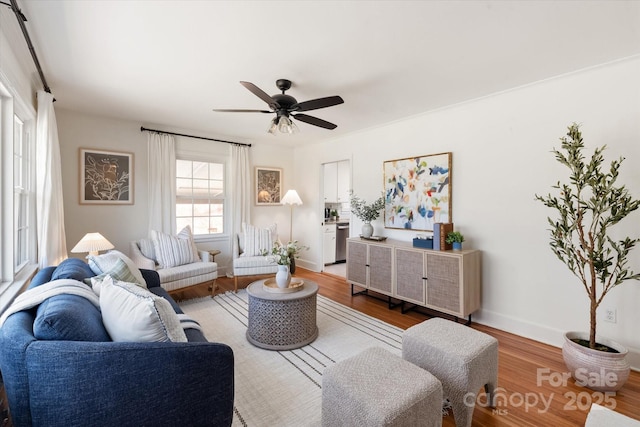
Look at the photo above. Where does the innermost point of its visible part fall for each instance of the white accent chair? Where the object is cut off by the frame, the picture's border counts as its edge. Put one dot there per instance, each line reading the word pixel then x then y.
pixel 249 265
pixel 180 277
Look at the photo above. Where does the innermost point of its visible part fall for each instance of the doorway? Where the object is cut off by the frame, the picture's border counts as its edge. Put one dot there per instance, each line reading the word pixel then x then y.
pixel 336 179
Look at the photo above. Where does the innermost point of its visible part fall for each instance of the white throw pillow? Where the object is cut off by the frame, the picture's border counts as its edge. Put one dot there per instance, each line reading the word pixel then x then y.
pixel 258 240
pixel 106 262
pixel 172 251
pixel 133 314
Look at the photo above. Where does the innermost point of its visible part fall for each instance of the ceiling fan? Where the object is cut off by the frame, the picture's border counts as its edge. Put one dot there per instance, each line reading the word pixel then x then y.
pixel 285 106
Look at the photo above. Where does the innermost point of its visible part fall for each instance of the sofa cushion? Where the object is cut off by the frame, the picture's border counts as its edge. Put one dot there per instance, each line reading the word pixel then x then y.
pixel 104 263
pixel 172 251
pixel 72 268
pixel 69 318
pixel 186 271
pixel 133 314
pixel 257 240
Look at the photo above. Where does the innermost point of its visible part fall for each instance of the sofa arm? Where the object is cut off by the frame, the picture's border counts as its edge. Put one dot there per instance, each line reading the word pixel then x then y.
pixel 107 384
pixel 204 256
pixel 140 260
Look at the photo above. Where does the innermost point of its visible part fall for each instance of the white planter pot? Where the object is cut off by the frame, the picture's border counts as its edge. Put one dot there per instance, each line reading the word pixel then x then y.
pixel 283 278
pixel 595 369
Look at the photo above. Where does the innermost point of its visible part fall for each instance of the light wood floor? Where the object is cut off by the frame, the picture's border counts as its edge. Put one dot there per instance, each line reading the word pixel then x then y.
pixel 528 393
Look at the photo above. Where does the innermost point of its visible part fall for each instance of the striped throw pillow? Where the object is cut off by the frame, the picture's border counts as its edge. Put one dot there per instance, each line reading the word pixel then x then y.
pixel 172 251
pixel 119 271
pixel 256 240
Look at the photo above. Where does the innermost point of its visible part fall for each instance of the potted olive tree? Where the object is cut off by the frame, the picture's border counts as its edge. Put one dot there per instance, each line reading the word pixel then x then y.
pixel 586 209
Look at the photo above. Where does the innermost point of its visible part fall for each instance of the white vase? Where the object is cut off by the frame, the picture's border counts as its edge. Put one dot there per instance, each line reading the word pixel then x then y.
pixel 367 230
pixel 283 278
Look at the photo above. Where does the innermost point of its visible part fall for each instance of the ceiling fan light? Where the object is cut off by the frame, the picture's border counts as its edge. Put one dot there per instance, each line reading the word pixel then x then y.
pixel 274 126
pixel 287 126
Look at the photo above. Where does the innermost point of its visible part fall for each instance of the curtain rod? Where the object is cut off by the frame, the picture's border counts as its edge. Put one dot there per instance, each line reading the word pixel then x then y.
pixel 142 129
pixel 21 20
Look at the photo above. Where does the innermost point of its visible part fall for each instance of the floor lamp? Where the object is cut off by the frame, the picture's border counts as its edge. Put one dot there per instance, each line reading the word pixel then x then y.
pixel 291 198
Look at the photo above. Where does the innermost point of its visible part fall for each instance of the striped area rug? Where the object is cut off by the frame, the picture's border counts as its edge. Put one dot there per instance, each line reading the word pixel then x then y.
pixel 284 388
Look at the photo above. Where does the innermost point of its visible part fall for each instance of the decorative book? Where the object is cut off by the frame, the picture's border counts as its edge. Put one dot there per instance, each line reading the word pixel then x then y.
pixel 440 231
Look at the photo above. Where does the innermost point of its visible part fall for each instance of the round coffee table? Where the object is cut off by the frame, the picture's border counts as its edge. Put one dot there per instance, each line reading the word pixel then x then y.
pixel 282 321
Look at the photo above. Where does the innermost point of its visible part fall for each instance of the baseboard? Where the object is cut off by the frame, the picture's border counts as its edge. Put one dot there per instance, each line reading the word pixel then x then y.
pixel 537 332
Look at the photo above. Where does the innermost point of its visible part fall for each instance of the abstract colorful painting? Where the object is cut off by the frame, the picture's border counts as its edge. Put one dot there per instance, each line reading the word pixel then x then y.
pixel 417 192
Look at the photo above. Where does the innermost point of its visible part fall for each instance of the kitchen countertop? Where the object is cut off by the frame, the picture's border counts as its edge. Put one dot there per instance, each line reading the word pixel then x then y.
pixel 339 221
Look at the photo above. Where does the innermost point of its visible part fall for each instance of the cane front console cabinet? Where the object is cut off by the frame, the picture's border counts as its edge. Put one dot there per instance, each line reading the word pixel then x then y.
pixel 446 281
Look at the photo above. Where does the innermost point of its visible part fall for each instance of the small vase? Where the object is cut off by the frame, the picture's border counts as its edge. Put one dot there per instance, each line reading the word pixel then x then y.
pixel 283 278
pixel 367 230
pixel 457 246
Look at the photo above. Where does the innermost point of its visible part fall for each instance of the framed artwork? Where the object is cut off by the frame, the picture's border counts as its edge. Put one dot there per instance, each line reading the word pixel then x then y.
pixel 106 177
pixel 417 192
pixel 268 186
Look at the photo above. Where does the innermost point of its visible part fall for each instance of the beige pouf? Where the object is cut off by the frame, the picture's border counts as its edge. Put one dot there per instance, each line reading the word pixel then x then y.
pixel 462 358
pixel 378 388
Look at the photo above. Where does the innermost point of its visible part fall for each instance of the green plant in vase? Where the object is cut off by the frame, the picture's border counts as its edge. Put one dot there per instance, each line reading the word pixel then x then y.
pixel 454 238
pixel 366 212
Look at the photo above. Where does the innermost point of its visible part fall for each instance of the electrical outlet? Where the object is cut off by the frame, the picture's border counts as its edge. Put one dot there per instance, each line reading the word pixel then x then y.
pixel 610 315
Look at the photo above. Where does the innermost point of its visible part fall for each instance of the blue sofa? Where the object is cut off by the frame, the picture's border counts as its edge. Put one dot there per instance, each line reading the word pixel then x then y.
pixel 105 383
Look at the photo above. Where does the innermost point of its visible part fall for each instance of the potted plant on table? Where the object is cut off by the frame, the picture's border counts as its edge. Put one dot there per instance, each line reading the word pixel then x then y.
pixel 366 212
pixel 284 256
pixel 587 207
pixel 455 238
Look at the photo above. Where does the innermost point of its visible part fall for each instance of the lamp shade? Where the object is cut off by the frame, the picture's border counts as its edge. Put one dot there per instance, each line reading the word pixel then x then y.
pixel 92 243
pixel 291 198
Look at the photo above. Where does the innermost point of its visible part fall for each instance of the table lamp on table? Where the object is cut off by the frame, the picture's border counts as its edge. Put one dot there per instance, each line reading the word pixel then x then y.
pixel 92 243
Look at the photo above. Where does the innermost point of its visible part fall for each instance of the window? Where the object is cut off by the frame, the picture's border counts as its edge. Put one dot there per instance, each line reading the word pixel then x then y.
pixel 22 193
pixel 18 250
pixel 200 196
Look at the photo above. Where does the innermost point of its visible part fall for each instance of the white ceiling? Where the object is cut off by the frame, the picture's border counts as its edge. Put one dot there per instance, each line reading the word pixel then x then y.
pixel 169 63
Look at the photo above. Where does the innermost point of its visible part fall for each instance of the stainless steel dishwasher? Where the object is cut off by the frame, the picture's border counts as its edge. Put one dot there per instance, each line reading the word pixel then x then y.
pixel 342 232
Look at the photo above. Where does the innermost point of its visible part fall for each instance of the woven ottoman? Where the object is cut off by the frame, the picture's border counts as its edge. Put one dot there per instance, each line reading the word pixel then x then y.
pixel 378 388
pixel 462 358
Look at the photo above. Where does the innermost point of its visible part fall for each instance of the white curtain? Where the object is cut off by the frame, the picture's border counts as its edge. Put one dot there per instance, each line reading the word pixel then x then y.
pixel 162 182
pixel 240 189
pixel 52 240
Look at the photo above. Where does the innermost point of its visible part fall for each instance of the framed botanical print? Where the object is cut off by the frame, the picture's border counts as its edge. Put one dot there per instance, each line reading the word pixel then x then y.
pixel 417 192
pixel 106 177
pixel 268 186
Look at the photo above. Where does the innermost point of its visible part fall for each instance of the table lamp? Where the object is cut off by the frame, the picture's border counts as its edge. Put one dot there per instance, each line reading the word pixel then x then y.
pixel 92 243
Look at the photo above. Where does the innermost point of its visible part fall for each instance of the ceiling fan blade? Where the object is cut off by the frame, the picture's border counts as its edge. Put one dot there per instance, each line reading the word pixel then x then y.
pixel 234 110
pixel 315 104
pixel 261 94
pixel 314 121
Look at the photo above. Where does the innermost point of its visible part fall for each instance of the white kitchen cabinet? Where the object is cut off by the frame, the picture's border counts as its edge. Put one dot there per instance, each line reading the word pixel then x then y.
pixel 329 250
pixel 337 181
pixel 330 171
pixel 344 181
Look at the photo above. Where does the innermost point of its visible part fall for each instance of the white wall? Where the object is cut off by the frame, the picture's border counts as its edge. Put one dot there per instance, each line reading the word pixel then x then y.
pixel 122 223
pixel 501 158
